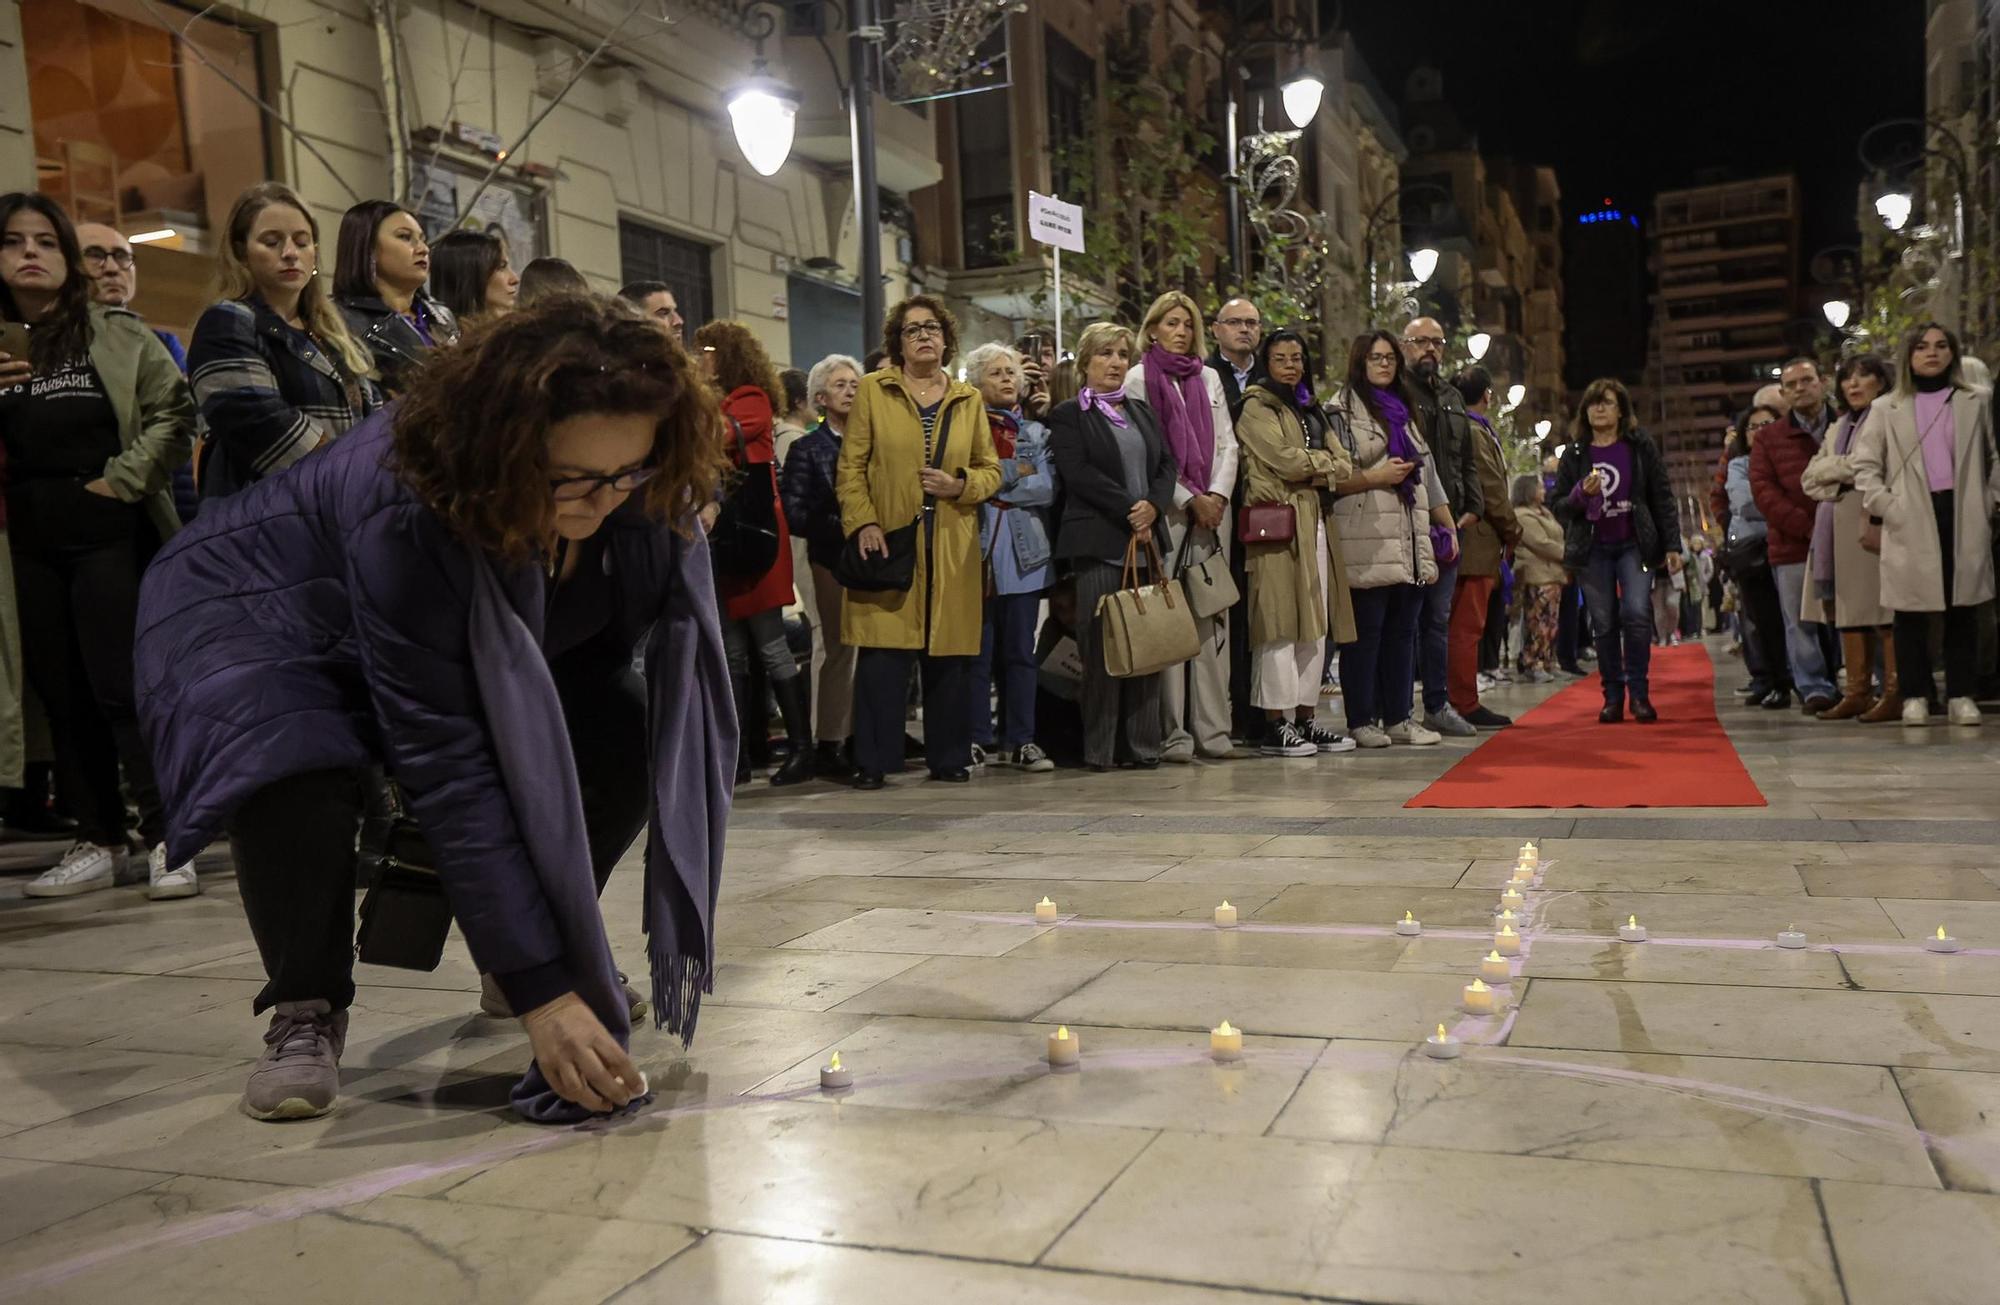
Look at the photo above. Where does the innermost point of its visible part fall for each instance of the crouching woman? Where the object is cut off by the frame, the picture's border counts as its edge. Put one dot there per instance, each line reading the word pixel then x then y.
pixel 453 593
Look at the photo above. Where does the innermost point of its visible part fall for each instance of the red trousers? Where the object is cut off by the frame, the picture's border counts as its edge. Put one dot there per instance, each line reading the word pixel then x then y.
pixel 1469 602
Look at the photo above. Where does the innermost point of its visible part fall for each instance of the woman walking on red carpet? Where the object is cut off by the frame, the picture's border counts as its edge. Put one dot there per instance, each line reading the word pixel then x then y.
pixel 1620 526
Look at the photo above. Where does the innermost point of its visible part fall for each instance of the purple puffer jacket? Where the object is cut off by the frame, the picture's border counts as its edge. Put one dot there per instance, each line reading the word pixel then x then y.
pixel 322 619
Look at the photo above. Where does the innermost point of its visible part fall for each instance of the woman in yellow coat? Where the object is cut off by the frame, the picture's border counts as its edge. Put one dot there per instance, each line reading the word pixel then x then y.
pixel 917 449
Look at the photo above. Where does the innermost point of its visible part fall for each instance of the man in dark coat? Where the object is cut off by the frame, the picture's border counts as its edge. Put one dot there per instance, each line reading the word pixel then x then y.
pixel 1448 430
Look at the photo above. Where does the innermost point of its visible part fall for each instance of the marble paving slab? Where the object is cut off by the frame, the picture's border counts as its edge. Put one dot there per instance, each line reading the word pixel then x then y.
pixel 1010 987
pixel 1291 1003
pixel 925 933
pixel 1899 1247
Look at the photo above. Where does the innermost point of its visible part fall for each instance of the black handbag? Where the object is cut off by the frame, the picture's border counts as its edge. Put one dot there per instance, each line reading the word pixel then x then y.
pixel 744 542
pixel 1745 556
pixel 896 570
pixel 405 917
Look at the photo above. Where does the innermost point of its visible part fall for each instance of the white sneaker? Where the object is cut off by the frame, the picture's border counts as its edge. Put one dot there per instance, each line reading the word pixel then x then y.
pixel 1962 711
pixel 1370 736
pixel 1916 712
pixel 85 868
pixel 1030 758
pixel 163 884
pixel 1408 731
pixel 978 757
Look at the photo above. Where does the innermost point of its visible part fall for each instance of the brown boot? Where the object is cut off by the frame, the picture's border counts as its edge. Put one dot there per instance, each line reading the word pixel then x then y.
pixel 1890 706
pixel 1855 698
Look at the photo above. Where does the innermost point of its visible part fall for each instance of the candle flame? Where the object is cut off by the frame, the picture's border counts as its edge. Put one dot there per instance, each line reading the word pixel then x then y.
pixel 1442 1035
pixel 1062 1033
pixel 1791 928
pixel 1411 918
pixel 1045 902
pixel 1224 906
pixel 1495 956
pixel 1507 931
pixel 1225 1030
pixel 1941 933
pixel 834 1064
pixel 1506 916
pixel 1475 986
pixel 1631 921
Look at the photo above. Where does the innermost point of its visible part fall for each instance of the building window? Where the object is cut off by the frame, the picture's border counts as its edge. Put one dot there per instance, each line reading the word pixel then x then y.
pixel 986 180
pixel 649 254
pixel 1072 86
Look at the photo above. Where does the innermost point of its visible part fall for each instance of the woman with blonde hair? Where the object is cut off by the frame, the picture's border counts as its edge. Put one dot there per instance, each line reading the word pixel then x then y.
pixel 1118 476
pixel 917 461
pixel 275 372
pixel 1187 398
pixel 751 545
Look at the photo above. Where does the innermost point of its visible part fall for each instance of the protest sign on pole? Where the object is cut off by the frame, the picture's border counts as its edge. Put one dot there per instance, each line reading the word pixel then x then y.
pixel 1054 223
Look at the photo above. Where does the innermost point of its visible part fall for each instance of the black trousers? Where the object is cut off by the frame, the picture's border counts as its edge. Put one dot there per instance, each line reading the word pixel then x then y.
pixel 1914 668
pixel 294 841
pixel 1758 606
pixel 78 606
pixel 882 692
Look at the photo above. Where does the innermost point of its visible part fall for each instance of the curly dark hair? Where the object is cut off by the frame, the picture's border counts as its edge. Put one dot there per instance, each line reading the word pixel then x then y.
pixel 472 430
pixel 64 333
pixel 740 360
pixel 892 329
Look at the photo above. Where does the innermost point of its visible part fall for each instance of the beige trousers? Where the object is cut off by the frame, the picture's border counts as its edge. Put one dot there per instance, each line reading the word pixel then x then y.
pixel 1194 696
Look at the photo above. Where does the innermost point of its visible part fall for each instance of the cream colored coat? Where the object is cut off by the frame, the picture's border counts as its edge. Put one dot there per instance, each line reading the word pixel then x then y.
pixel 1538 558
pixel 1286 605
pixel 1384 541
pixel 1889 473
pixel 879 483
pixel 1857 573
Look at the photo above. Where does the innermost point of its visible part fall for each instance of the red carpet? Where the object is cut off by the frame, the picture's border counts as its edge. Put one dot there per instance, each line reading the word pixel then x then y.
pixel 1559 756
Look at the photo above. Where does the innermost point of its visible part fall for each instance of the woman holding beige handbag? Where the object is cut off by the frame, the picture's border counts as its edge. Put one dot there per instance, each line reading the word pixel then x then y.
pixel 1118 479
pixel 1298 584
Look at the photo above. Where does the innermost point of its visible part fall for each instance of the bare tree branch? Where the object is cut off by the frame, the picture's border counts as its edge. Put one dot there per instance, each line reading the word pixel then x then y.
pixel 181 35
pixel 454 71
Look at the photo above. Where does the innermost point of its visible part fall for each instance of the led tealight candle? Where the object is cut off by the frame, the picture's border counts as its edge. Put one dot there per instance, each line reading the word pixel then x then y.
pixel 1506 919
pixel 1063 1047
pixel 1941 942
pixel 1512 898
pixel 1529 856
pixel 1045 912
pixel 1441 1045
pixel 1225 916
pixel 1524 874
pixel 1507 942
pixel 1790 938
pixel 833 1075
pixel 1632 930
pixel 1226 1043
pixel 1478 998
pixel 1494 969
pixel 1409 926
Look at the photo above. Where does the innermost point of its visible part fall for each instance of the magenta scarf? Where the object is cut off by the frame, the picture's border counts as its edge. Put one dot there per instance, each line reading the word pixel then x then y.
pixel 1178 397
pixel 1112 406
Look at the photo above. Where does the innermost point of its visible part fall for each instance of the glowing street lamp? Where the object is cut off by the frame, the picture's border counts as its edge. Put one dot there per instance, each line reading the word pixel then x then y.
pixel 1542 429
pixel 1837 312
pixel 1423 262
pixel 1477 344
pixel 1894 209
pixel 764 111
pixel 1516 393
pixel 1302 95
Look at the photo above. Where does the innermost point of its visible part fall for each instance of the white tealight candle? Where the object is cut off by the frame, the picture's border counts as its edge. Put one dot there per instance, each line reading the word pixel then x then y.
pixel 1225 916
pixel 1512 899
pixel 1442 1046
pixel 1409 926
pixel 1507 942
pixel 1045 912
pixel 1941 942
pixel 1063 1047
pixel 1524 874
pixel 1506 919
pixel 1529 856
pixel 1632 930
pixel 833 1075
pixel 1494 969
pixel 1478 998
pixel 1226 1043
pixel 1790 938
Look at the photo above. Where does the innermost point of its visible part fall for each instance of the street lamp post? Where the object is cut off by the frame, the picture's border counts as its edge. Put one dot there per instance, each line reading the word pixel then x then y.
pixel 1423 262
pixel 1926 138
pixel 1301 93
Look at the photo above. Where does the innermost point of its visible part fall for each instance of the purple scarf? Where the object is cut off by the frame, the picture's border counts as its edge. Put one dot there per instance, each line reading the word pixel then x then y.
pixel 1113 410
pixel 1176 393
pixel 1822 535
pixel 1396 416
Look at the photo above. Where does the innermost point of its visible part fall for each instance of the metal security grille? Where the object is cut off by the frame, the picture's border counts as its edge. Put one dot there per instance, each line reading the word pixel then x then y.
pixel 649 254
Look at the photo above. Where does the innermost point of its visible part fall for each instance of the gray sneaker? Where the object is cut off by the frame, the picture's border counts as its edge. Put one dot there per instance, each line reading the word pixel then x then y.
pixel 1446 720
pixel 298 1076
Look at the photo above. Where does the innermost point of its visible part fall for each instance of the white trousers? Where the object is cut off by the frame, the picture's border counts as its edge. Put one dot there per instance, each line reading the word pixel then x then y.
pixel 1285 675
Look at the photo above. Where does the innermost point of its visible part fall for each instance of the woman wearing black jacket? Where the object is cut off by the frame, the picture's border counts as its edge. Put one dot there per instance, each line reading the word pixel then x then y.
pixel 1620 525
pixel 381 262
pixel 1118 479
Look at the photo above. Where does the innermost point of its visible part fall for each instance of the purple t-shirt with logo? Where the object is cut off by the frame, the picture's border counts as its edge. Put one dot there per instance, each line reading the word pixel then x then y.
pixel 1612 511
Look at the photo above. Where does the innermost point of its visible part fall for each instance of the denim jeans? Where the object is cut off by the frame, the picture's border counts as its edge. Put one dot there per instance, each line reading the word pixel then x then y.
pixel 1375 668
pixel 1434 639
pixel 1009 639
pixel 1569 616
pixel 1809 673
pixel 1618 590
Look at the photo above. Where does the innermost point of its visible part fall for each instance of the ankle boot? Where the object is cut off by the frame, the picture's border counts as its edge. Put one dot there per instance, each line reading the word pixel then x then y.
pixel 1890 705
pixel 1855 698
pixel 795 705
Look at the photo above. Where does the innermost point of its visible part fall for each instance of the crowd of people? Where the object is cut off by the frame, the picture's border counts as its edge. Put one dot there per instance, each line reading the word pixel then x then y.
pixel 422 547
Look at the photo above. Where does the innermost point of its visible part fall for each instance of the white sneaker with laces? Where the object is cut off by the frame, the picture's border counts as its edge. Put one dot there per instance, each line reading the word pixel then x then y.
pixel 1032 759
pixel 163 884
pixel 1962 711
pixel 1916 712
pixel 1370 736
pixel 1413 734
pixel 85 868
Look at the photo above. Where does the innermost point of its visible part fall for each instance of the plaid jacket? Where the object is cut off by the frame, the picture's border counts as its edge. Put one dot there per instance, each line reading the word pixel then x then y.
pixel 267 394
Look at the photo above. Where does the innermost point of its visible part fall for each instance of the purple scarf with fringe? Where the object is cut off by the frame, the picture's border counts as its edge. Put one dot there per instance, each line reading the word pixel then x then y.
pixel 1396 416
pixel 1177 393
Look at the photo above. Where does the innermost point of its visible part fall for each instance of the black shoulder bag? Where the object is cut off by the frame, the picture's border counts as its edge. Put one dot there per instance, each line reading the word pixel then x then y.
pixel 895 571
pixel 405 916
pixel 744 542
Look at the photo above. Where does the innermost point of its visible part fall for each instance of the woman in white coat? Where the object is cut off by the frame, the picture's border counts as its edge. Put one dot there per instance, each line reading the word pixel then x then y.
pixel 1187 397
pixel 1843 579
pixel 1924 465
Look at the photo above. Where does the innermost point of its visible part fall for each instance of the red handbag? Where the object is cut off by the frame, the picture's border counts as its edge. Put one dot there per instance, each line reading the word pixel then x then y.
pixel 1266 523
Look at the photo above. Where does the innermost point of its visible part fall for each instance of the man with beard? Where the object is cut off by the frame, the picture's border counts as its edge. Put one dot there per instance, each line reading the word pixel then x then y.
pixel 1448 431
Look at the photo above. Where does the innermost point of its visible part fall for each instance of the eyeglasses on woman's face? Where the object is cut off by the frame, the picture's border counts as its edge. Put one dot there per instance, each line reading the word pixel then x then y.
pixel 1380 359
pixel 918 330
pixel 572 489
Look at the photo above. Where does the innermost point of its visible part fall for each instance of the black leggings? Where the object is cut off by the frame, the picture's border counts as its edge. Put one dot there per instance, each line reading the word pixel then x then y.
pixel 78 605
pixel 294 841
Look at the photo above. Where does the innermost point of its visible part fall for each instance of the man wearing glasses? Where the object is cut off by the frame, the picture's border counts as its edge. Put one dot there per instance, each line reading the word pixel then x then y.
pixel 1449 431
pixel 1239 329
pixel 114 277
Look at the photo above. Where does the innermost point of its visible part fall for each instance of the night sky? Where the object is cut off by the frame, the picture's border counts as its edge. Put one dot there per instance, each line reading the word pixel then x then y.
pixel 1629 97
